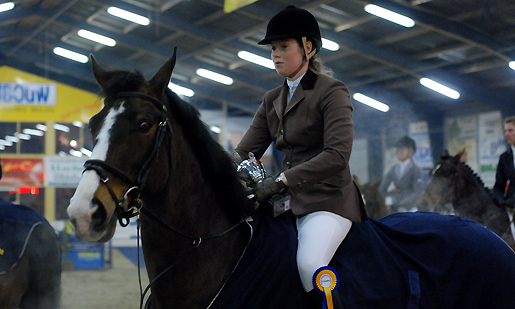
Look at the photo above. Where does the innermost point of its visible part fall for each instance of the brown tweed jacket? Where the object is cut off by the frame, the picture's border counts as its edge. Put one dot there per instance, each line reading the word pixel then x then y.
pixel 315 132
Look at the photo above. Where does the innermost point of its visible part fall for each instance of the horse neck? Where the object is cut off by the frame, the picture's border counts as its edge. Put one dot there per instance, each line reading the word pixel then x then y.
pixel 189 205
pixel 472 199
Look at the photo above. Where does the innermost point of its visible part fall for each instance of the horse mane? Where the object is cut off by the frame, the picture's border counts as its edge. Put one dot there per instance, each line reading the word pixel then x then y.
pixel 476 177
pixel 216 165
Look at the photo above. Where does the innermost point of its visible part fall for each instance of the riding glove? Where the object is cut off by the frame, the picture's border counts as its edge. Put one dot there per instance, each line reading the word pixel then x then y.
pixel 268 187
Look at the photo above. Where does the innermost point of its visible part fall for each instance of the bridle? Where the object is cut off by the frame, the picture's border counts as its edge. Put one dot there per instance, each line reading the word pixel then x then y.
pixel 124 209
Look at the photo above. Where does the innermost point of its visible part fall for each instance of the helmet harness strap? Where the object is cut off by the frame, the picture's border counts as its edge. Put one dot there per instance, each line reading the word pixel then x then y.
pixel 308 56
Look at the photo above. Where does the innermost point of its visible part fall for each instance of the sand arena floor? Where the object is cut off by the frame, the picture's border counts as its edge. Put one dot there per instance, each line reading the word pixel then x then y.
pixel 112 288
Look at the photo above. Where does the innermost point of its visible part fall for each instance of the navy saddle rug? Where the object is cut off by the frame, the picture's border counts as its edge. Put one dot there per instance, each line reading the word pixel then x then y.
pixel 405 260
pixel 17 222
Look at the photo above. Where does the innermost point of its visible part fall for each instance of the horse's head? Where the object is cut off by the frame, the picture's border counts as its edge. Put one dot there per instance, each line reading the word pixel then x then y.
pixel 127 133
pixel 443 182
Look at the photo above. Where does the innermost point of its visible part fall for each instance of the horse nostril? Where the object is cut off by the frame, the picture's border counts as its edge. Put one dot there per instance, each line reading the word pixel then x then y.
pixel 99 216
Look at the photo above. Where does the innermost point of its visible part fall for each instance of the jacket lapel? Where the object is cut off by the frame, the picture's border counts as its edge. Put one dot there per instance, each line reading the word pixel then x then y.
pixel 306 83
pixel 280 101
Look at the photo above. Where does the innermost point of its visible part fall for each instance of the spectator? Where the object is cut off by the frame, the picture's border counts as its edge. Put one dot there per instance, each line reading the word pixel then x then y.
pixel 403 183
pixel 504 188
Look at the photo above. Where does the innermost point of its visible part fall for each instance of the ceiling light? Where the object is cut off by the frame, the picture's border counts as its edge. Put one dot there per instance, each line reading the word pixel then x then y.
pixel 371 102
pixel 431 84
pixel 23 136
pixel 512 65
pixel 13 139
pixel 70 55
pixel 6 6
pixel 389 15
pixel 96 37
pixel 226 80
pixel 215 129
pixel 33 132
pixel 262 61
pixel 61 127
pixel 86 152
pixel 41 127
pixel 135 18
pixel 330 45
pixel 78 124
pixel 5 143
pixel 187 92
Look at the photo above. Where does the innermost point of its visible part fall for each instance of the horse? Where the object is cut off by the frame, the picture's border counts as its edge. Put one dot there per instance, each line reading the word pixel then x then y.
pixel 374 201
pixel 454 182
pixel 30 260
pixel 206 246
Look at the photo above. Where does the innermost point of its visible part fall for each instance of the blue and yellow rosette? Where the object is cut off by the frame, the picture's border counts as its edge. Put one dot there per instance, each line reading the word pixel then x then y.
pixel 325 281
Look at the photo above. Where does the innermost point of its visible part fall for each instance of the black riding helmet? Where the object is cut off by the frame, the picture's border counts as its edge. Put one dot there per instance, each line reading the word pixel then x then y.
pixel 406 142
pixel 293 23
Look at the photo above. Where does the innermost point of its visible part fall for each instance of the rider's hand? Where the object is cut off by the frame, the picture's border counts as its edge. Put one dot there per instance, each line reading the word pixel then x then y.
pixel 268 187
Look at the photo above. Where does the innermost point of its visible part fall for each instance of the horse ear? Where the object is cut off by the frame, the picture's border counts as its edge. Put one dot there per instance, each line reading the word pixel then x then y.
pixel 461 154
pixel 445 154
pixel 160 81
pixel 100 74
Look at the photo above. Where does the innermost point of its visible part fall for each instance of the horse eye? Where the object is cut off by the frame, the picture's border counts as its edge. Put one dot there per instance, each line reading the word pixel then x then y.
pixel 144 127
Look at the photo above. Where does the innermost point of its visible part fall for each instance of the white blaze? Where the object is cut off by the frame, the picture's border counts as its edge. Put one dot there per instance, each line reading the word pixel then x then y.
pixel 80 203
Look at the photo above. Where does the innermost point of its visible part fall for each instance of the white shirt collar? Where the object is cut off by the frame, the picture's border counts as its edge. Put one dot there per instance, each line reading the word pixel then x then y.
pixel 292 85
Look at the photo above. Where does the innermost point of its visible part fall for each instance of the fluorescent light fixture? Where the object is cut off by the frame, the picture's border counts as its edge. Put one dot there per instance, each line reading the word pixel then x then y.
pixel 512 65
pixel 86 152
pixel 33 132
pixel 2 147
pixel 135 18
pixel 41 127
pixel 78 124
pixel 215 129
pixel 187 92
pixel 23 136
pixel 226 80
pixel 70 55
pixel 13 139
pixel 5 143
pixel 75 153
pixel 389 15
pixel 6 6
pixel 96 37
pixel 371 102
pixel 61 127
pixel 431 84
pixel 330 45
pixel 262 61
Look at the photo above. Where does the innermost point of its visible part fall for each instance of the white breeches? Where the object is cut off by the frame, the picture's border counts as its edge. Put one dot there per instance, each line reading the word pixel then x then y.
pixel 320 234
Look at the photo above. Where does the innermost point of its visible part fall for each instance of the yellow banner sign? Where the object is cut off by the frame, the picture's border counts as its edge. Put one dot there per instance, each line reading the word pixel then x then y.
pixel 233 5
pixel 30 98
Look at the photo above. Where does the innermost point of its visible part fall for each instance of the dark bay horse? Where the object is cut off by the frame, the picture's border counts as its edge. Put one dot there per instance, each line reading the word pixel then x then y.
pixel 30 260
pixel 152 153
pixel 454 182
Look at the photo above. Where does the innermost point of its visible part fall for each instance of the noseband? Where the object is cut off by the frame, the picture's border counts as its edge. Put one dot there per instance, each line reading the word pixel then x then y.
pixel 125 210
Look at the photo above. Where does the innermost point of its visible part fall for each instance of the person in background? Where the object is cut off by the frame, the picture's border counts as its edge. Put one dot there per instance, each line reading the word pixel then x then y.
pixel 504 188
pixel 403 183
pixel 309 119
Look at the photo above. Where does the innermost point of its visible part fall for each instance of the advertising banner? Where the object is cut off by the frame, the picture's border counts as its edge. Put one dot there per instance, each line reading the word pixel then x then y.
pixel 30 98
pixel 461 134
pixel 18 172
pixel 490 145
pixel 64 172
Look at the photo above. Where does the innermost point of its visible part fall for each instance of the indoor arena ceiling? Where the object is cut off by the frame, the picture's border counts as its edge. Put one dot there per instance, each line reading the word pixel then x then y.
pixel 463 44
